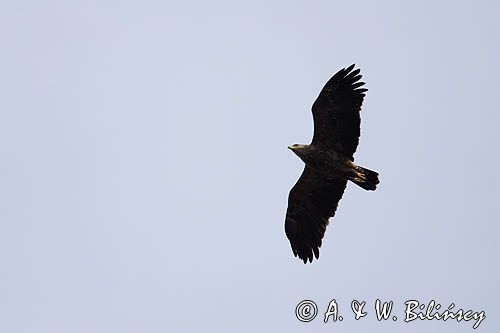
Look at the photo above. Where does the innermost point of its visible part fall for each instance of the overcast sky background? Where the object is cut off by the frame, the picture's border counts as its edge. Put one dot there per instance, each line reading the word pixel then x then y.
pixel 144 169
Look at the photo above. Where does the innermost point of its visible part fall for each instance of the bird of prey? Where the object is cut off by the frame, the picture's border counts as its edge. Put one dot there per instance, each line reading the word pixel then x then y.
pixel 328 163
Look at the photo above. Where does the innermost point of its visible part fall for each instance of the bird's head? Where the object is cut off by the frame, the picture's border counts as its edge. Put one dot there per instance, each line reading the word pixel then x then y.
pixel 297 146
pixel 298 149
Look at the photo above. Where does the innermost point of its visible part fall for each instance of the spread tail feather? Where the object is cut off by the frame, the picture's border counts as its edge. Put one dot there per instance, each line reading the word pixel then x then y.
pixel 365 178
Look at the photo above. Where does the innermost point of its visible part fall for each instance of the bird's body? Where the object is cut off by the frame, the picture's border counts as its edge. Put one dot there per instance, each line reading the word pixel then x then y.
pixel 329 163
pixel 333 165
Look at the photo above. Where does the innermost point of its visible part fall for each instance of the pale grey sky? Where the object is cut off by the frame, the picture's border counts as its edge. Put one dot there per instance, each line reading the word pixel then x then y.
pixel 144 169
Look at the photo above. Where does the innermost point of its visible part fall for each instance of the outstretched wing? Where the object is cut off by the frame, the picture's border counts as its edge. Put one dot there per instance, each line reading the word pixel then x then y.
pixel 311 202
pixel 336 112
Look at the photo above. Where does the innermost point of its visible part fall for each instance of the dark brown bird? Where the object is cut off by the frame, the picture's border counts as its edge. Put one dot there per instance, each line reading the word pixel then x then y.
pixel 328 163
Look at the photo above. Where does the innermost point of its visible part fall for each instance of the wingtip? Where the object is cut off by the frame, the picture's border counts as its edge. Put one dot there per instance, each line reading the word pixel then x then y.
pixel 305 257
pixel 348 69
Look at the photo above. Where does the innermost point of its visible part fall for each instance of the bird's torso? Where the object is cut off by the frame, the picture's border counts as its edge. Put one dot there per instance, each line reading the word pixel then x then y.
pixel 329 162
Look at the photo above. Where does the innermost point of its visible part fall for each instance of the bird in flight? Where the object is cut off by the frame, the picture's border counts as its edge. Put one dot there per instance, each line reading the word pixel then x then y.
pixel 329 163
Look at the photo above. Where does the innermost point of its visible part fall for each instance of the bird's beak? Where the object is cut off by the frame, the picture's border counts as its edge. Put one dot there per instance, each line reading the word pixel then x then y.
pixel 290 147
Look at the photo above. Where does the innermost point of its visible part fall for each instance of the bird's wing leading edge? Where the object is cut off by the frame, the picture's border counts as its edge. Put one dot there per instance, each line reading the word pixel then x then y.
pixel 311 202
pixel 336 112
